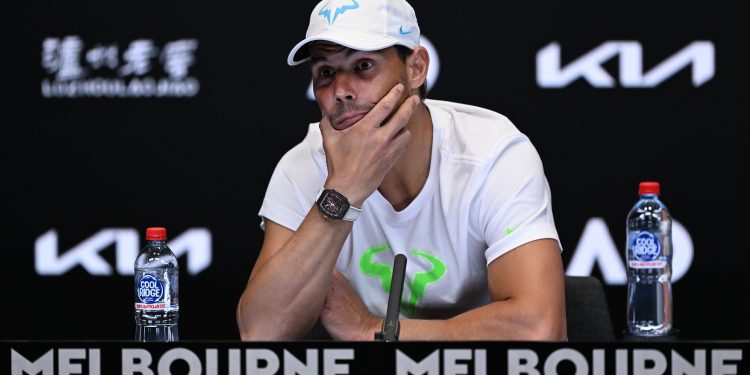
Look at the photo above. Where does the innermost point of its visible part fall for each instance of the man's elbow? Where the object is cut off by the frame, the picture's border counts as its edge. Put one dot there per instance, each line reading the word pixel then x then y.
pixel 253 332
pixel 549 332
pixel 548 328
pixel 248 328
pixel 267 333
pixel 267 328
pixel 246 335
pixel 245 332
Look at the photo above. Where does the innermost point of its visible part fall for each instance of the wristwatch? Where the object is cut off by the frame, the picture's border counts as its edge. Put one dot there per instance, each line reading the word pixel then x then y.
pixel 335 206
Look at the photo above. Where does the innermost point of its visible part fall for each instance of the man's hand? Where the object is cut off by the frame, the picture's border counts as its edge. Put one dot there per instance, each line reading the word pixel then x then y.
pixel 344 315
pixel 360 156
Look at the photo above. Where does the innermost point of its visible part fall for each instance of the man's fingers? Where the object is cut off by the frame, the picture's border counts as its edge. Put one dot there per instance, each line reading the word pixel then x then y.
pixel 398 144
pixel 385 106
pixel 325 125
pixel 399 119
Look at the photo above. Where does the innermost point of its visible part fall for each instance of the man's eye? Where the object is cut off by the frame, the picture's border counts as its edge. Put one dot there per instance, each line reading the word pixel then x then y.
pixel 364 65
pixel 325 73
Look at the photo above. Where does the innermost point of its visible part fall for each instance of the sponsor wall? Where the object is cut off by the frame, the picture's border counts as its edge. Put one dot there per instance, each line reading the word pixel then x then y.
pixel 124 116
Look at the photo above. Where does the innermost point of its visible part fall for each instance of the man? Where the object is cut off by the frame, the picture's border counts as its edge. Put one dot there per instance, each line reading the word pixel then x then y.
pixel 457 189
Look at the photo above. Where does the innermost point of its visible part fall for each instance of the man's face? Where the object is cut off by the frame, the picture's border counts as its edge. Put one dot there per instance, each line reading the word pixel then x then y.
pixel 348 83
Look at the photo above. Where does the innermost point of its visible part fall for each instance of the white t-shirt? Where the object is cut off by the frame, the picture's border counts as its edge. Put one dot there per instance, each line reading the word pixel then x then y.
pixel 485 195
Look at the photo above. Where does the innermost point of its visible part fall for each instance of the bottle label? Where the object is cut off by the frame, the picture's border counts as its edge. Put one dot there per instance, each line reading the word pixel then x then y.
pixel 646 250
pixel 151 293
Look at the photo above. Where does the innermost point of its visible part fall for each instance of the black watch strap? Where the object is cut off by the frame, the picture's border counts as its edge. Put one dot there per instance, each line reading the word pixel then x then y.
pixel 334 205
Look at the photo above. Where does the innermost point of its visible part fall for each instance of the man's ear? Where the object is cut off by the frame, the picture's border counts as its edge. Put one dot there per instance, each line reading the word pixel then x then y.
pixel 416 67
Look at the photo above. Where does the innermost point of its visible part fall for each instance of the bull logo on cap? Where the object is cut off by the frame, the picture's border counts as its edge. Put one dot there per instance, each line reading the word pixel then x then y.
pixel 326 11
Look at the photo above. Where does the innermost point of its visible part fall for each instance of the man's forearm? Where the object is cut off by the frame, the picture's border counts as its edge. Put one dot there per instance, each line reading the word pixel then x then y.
pixel 500 320
pixel 285 294
pixel 524 307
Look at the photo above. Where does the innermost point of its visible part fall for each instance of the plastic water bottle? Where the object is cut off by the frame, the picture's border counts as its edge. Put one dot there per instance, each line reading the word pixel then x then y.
pixel 157 306
pixel 649 262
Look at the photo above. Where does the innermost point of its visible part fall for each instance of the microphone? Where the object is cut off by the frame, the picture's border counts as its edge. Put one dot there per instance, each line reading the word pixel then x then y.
pixel 391 324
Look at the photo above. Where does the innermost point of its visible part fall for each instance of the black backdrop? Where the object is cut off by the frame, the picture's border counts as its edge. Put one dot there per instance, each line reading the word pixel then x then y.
pixel 120 161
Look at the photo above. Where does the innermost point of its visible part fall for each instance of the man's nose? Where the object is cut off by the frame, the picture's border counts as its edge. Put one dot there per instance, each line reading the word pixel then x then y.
pixel 343 89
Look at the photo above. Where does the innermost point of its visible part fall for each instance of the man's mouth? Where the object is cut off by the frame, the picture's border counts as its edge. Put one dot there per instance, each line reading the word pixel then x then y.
pixel 348 119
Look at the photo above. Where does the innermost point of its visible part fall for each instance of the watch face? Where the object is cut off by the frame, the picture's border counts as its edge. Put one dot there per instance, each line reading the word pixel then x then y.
pixel 333 204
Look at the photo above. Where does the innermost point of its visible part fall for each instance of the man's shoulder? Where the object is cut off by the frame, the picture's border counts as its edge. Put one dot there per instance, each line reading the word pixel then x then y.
pixel 472 132
pixel 308 150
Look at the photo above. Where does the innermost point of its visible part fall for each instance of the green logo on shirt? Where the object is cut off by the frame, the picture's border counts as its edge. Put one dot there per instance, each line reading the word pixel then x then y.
pixel 417 286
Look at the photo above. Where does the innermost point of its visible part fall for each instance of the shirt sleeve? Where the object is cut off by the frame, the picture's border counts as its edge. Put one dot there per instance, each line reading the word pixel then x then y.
pixel 515 200
pixel 291 190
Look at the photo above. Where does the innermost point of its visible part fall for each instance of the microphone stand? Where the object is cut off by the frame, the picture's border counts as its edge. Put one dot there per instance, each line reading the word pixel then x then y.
pixel 391 324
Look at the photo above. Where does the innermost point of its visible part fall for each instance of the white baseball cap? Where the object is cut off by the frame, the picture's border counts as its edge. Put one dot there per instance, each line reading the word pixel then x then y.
pixel 363 25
